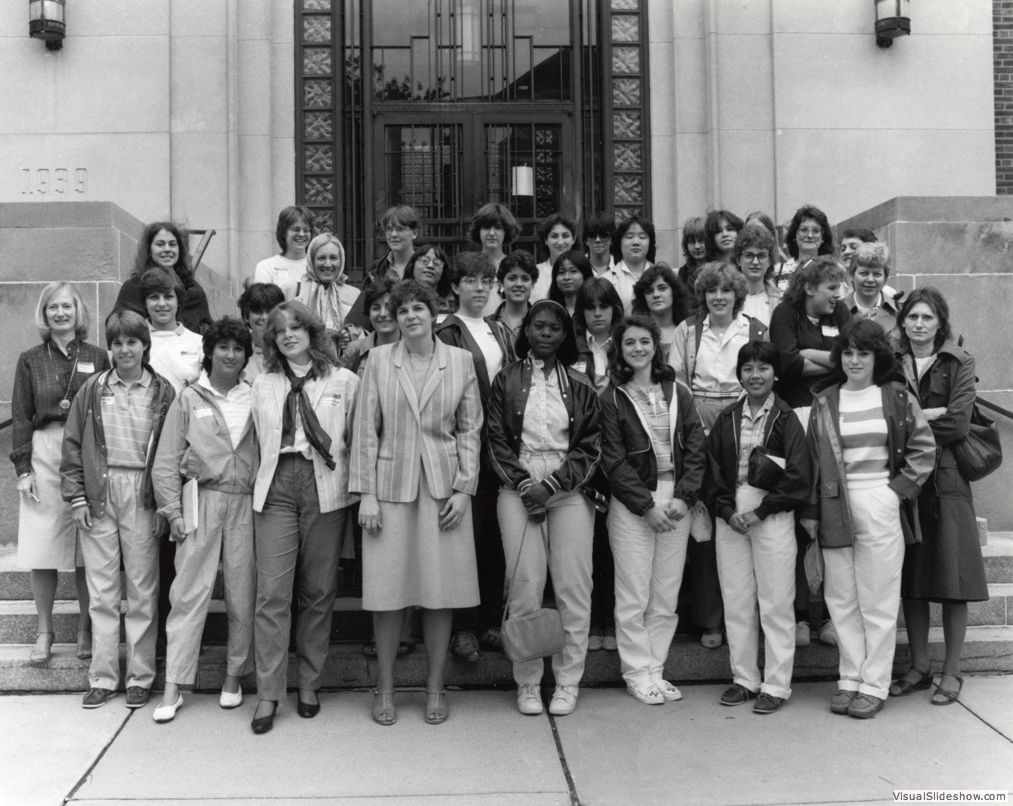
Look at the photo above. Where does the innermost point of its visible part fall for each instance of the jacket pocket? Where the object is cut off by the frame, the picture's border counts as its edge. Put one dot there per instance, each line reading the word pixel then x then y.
pixel 830 488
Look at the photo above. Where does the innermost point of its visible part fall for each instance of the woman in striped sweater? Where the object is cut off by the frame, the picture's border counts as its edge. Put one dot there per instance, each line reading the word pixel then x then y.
pixel 872 450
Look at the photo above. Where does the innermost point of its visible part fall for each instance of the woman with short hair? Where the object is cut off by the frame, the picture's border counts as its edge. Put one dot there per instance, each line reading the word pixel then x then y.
pixel 46 379
pixel 755 252
pixel 293 233
pixel 659 294
pixel 809 236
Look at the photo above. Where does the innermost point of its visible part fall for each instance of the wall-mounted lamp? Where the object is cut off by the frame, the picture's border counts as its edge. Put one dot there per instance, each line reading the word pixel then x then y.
pixel 893 19
pixel 46 21
pixel 523 180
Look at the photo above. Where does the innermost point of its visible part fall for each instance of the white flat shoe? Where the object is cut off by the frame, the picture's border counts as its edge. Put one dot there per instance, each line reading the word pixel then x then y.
pixel 166 713
pixel 231 699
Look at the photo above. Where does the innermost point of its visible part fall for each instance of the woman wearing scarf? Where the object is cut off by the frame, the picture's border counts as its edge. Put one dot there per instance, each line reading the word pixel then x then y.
pixel 323 288
pixel 302 408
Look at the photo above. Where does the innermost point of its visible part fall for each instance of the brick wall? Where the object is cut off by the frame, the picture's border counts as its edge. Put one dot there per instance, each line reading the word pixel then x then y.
pixel 1002 61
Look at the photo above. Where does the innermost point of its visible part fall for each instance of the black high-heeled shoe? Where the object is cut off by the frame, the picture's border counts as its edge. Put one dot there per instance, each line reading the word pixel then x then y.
pixel 902 686
pixel 262 724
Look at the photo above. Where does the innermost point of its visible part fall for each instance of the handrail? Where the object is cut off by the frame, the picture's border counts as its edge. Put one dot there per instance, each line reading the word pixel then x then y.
pixel 6 423
pixel 982 402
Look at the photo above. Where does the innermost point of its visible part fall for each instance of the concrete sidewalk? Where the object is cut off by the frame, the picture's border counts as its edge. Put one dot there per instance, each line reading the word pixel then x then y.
pixel 611 752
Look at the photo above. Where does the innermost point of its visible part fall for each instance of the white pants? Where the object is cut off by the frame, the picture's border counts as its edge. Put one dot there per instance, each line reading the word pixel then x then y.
pixel 649 569
pixel 124 533
pixel 225 530
pixel 570 527
pixel 758 568
pixel 862 587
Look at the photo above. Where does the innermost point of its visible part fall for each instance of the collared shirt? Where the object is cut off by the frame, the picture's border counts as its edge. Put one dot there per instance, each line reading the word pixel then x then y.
pixel 884 313
pixel 717 354
pixel 623 281
pixel 255 366
pixel 546 423
pixel 600 353
pixel 127 419
pixel 751 434
pixel 176 355
pixel 235 406
pixel 299 442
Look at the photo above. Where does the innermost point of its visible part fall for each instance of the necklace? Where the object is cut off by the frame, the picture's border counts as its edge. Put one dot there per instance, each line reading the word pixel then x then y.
pixel 64 403
pixel 651 393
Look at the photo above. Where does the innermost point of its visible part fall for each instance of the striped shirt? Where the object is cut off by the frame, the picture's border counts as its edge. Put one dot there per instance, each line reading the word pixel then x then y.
pixel 127 419
pixel 751 434
pixel 864 435
pixel 654 407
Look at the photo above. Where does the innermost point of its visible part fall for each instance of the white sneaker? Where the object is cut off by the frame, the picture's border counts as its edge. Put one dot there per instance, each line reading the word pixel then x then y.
pixel 669 692
pixel 564 701
pixel 529 699
pixel 648 695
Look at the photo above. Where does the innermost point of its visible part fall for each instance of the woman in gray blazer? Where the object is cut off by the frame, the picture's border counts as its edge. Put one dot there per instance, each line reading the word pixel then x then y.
pixel 415 456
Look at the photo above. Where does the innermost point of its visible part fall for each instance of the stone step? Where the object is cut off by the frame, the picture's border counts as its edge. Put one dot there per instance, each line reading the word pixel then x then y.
pixel 998 556
pixel 18 622
pixel 986 650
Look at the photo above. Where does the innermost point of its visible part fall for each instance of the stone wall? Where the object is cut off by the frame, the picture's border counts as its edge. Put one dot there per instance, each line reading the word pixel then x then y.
pixel 964 247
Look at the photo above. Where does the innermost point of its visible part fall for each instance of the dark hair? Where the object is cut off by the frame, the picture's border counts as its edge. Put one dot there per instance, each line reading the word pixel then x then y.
pixel 161 281
pixel 619 369
pixel 645 225
pixel 598 224
pixel 817 215
pixel 811 273
pixel 401 214
pixel 567 352
pixel 763 351
pixel 471 264
pixel 443 284
pixel 413 291
pixel 714 275
pixel 288 217
pixel 596 291
pixel 321 348
pixel 934 298
pixel 225 329
pixel 863 234
pixel 518 259
pixel 493 214
pixel 580 262
pixel 864 334
pixel 126 322
pixel 692 230
pixel 376 290
pixel 660 271
pixel 143 261
pixel 711 227
pixel 756 236
pixel 547 224
pixel 259 298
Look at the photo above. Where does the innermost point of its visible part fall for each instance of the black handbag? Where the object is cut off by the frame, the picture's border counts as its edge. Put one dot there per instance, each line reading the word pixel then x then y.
pixel 763 472
pixel 535 635
pixel 980 452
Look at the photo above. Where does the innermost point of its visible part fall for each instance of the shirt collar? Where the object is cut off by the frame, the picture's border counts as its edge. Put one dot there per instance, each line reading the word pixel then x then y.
pixel 205 383
pixel 145 381
pixel 747 412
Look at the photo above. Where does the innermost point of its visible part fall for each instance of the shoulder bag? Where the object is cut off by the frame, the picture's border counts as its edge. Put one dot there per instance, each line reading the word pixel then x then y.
pixel 537 634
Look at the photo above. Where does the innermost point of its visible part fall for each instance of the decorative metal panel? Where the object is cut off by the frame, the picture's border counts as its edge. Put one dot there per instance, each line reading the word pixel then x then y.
pixel 629 119
pixel 626 91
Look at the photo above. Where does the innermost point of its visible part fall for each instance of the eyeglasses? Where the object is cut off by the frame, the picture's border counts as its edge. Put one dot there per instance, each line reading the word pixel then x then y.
pixel 475 282
pixel 397 229
pixel 814 232
pixel 755 257
pixel 429 261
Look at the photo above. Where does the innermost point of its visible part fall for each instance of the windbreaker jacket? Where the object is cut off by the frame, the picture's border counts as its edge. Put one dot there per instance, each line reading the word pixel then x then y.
pixel 455 333
pixel 195 444
pixel 505 419
pixel 782 435
pixel 84 467
pixel 912 452
pixel 628 453
pixel 333 398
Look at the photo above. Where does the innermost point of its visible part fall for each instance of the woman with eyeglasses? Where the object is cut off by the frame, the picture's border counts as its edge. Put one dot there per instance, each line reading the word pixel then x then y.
pixel 430 266
pixel 754 255
pixel 809 236
pixel 492 348
pixel 293 233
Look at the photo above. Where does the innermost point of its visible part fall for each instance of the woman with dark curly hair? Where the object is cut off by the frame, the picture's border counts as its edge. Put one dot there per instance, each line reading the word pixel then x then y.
pixel 809 235
pixel 872 450
pixel 659 294
pixel 653 455
pixel 946 566
pixel 302 409
pixel 164 245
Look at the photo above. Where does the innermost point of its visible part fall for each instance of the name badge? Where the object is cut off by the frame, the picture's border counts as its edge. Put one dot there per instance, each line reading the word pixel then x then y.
pixel 830 331
pixel 201 413
pixel 332 400
pixel 86 367
pixel 107 400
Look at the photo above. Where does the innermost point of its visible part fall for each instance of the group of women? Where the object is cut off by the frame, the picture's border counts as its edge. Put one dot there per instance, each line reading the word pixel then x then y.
pixel 598 419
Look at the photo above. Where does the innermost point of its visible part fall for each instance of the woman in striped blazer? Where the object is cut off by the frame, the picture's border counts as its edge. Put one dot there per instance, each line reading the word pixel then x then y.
pixel 415 461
